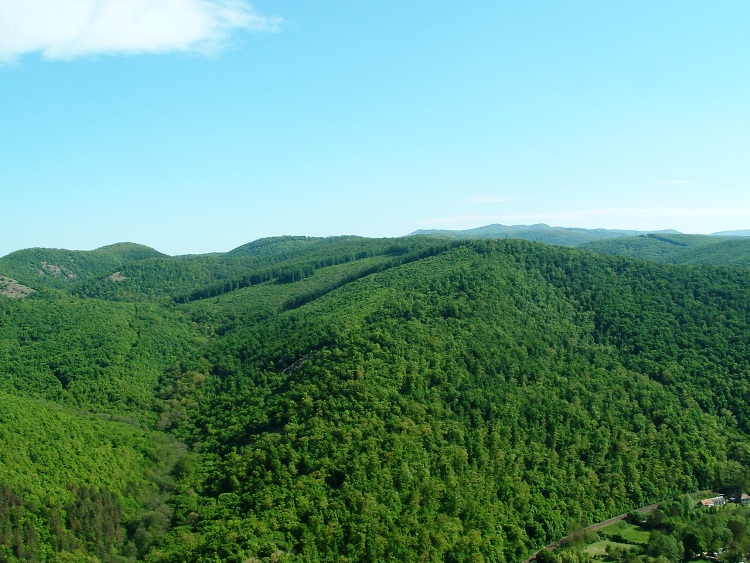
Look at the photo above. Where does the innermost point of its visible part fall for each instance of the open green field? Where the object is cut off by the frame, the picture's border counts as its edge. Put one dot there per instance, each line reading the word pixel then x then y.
pixel 620 536
pixel 599 549
pixel 629 533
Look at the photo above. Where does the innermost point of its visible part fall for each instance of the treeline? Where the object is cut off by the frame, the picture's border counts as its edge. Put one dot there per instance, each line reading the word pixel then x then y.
pixel 399 256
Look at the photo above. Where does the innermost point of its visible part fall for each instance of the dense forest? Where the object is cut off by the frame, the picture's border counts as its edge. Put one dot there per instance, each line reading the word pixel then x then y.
pixel 679 249
pixel 350 399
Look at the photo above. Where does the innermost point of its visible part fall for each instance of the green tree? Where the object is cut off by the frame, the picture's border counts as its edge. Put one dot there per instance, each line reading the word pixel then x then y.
pixel 665 545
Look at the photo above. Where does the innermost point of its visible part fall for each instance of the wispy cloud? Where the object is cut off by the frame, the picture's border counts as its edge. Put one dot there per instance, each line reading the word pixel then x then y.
pixel 67 29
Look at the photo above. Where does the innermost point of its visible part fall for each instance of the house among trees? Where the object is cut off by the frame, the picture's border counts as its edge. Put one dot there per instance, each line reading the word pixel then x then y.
pixel 714 502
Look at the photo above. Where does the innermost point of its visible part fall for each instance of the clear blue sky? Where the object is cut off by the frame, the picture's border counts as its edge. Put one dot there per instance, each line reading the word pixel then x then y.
pixel 198 125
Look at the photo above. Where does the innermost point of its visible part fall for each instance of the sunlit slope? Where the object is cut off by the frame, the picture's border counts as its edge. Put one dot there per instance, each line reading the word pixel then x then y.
pixel 77 487
pixel 279 260
pixel 478 401
pixel 375 399
pixel 91 354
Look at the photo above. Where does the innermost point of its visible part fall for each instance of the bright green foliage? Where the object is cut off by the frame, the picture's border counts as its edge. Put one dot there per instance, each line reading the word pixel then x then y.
pixel 461 390
pixel 350 399
pixel 79 484
pixel 88 353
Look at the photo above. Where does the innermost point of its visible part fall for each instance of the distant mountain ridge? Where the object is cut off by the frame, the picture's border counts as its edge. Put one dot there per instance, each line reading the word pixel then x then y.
pixel 278 245
pixel 726 248
pixel 540 232
pixel 740 233
pixel 24 271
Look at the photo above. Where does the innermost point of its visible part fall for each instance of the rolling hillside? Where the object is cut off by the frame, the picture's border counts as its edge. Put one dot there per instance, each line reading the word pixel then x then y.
pixel 353 399
pixel 51 267
pixel 679 249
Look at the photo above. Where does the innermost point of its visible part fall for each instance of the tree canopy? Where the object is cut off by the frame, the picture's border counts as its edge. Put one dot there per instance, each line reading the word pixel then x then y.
pixel 354 399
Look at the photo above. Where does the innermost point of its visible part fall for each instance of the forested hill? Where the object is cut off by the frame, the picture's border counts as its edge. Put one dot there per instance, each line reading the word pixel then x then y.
pixel 52 267
pixel 354 399
pixel 679 249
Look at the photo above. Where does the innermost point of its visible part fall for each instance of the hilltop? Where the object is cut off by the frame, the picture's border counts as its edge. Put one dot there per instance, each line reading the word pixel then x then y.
pixel 52 267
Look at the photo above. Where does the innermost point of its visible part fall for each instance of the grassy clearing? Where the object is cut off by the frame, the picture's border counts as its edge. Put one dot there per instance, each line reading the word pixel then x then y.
pixel 635 535
pixel 627 533
pixel 599 549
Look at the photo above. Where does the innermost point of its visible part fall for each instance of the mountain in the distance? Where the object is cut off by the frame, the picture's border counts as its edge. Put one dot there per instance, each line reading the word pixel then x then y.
pixel 740 233
pixel 561 236
pixel 729 248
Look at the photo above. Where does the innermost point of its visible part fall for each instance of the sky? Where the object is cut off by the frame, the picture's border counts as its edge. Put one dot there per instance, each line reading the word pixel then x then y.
pixel 196 126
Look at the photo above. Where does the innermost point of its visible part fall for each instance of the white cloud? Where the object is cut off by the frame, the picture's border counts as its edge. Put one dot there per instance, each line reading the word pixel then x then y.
pixel 66 29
